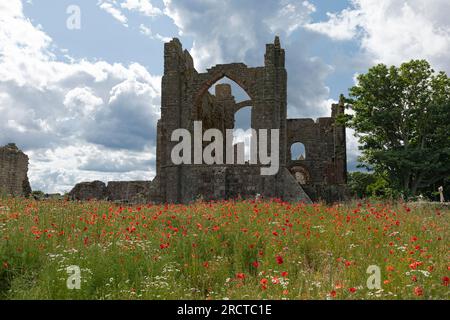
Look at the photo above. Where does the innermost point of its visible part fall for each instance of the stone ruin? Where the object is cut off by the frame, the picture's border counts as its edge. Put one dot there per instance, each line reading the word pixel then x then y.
pixel 14 171
pixel 120 191
pixel 320 174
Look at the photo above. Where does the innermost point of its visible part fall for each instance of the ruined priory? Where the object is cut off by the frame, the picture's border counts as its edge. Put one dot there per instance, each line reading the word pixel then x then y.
pixel 320 174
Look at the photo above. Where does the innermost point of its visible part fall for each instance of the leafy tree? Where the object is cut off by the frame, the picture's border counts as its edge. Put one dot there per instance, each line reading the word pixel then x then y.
pixel 401 116
pixel 358 183
pixel 369 184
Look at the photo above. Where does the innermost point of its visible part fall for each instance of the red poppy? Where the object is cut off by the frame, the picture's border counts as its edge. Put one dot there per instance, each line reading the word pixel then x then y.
pixel 333 293
pixel 418 291
pixel 255 264
pixel 352 289
pixel 445 281
pixel 240 276
pixel 280 260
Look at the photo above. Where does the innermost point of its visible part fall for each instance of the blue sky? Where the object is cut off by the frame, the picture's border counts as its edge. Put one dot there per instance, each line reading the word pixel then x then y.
pixel 83 104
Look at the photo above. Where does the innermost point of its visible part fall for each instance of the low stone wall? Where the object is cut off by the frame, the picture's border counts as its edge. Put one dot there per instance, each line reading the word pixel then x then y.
pixel 128 191
pixel 89 191
pixel 120 191
pixel 14 171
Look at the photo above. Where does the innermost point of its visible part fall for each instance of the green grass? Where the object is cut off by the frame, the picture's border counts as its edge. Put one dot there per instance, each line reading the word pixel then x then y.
pixel 224 250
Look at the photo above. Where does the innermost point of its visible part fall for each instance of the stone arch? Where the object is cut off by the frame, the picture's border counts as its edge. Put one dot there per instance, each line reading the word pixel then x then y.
pixel 301 174
pixel 237 72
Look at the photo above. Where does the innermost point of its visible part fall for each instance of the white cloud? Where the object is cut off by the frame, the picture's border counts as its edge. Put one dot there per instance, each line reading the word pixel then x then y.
pixel 59 169
pixel 67 116
pixel 291 16
pixel 342 26
pixel 109 6
pixel 392 31
pixel 144 7
pixel 149 33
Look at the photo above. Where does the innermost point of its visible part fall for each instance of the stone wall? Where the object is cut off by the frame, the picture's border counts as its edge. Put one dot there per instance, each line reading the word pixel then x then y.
pixel 14 171
pixel 120 191
pixel 186 98
pixel 95 190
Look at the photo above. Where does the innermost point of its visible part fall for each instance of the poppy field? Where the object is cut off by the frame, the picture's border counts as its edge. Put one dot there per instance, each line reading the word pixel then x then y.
pixel 223 250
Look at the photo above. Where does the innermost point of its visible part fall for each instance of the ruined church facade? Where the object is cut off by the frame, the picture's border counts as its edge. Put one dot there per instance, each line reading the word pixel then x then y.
pixel 319 175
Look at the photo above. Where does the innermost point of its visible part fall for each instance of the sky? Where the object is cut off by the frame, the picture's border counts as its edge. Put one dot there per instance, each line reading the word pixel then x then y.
pixel 80 80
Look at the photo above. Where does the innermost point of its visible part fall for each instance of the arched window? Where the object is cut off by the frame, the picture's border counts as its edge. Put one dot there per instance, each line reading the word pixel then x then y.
pixel 226 105
pixel 298 151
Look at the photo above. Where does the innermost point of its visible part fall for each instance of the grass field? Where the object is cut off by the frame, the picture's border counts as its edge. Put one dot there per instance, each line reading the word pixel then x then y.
pixel 224 250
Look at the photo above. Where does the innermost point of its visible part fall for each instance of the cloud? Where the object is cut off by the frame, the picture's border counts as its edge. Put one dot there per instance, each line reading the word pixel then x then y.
pixel 144 7
pixel 59 169
pixel 342 26
pixel 290 16
pixel 64 113
pixel 392 31
pixel 148 32
pixel 109 6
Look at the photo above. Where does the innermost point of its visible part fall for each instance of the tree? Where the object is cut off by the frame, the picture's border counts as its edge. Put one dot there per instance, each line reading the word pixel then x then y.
pixel 402 119
pixel 358 183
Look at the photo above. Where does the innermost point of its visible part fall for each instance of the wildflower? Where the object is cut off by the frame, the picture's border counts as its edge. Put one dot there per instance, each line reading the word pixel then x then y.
pixel 339 285
pixel 255 264
pixel 240 275
pixel 418 291
pixel 284 274
pixel 206 264
pixel 352 289
pixel 333 293
pixel 414 279
pixel 445 281
pixel 415 264
pixel 279 259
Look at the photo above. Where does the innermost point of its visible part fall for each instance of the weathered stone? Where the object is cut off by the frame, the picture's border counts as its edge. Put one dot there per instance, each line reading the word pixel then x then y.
pixel 129 191
pixel 95 190
pixel 185 99
pixel 14 171
pixel 320 175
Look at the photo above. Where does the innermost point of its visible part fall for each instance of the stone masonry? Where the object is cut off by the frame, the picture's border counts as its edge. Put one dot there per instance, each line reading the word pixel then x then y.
pixel 123 191
pixel 320 175
pixel 185 99
pixel 14 171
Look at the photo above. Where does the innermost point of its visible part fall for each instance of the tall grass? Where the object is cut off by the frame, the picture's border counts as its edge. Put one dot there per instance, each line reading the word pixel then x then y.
pixel 223 250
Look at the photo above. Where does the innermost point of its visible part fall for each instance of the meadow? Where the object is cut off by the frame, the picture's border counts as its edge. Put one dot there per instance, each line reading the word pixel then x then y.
pixel 223 250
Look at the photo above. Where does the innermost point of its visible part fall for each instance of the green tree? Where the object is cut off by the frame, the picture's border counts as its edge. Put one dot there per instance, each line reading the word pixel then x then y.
pixel 401 116
pixel 358 183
